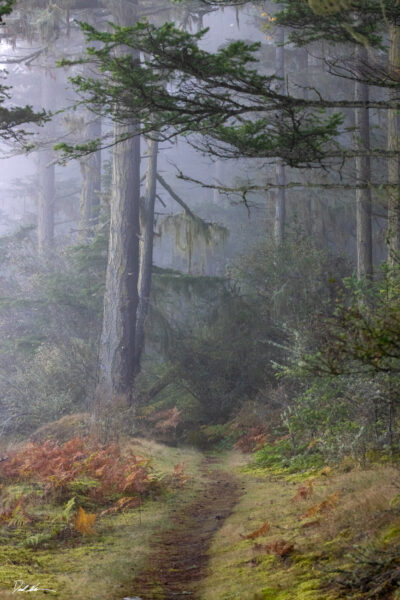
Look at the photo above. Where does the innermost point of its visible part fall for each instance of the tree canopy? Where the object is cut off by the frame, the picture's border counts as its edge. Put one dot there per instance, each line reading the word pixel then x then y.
pixel 180 88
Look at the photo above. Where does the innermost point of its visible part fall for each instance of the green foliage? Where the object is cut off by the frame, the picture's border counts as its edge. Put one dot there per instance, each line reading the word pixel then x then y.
pixel 49 320
pixel 81 488
pixel 226 360
pixel 6 7
pixel 340 416
pixel 38 539
pixel 360 21
pixel 283 456
pixel 292 281
pixel 363 335
pixel 216 437
pixel 181 89
pixel 352 400
pixel 372 572
pixel 11 118
pixel 81 283
pixel 69 509
pixel 228 354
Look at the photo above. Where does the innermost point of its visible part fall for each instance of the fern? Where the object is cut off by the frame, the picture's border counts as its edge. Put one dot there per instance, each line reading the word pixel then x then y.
pixel 87 472
pixel 69 509
pixel 84 522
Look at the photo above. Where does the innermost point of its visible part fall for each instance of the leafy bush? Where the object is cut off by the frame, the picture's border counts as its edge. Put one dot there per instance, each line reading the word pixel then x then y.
pixel 231 353
pixel 49 324
pixel 372 572
pixel 281 455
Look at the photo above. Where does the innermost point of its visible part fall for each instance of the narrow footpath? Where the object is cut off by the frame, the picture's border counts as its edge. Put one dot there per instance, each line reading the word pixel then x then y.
pixel 179 557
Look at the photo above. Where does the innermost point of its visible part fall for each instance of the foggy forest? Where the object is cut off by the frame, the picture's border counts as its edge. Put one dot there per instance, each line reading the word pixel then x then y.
pixel 200 299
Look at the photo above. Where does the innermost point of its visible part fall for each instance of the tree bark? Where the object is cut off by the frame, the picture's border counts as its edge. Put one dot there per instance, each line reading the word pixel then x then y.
pixel 47 188
pixel 280 175
pixel 118 338
pixel 117 346
pixel 47 191
pixel 146 250
pixel 89 204
pixel 363 176
pixel 305 82
pixel 393 233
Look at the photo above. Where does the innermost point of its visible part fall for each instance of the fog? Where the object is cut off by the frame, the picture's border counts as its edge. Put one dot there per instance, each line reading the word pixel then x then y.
pixel 199 299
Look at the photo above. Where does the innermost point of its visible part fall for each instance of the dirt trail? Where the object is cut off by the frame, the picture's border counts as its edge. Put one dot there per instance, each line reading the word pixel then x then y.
pixel 179 558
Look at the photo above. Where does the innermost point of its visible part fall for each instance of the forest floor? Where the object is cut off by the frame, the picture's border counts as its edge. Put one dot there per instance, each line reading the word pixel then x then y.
pixel 229 532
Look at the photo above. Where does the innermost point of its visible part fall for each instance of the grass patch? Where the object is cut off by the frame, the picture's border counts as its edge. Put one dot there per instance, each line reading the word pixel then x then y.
pixel 351 509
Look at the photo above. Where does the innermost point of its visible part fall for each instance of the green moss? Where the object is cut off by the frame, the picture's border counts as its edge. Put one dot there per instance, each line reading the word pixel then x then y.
pixel 268 594
pixel 306 561
pixel 309 590
pixel 266 560
pixel 24 564
pixel 392 534
pixel 311 585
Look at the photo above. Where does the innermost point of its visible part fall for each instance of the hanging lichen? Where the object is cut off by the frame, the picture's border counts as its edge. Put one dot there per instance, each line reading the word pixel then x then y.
pixel 329 7
pixel 49 21
pixel 193 235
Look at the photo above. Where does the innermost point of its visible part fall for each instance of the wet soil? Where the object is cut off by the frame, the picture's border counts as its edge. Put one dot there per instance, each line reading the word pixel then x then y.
pixel 179 557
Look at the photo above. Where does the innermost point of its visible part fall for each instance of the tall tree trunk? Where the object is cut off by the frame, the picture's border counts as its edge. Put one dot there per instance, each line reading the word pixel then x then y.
pixel 47 188
pixel 393 234
pixel 280 197
pixel 318 222
pixel 90 165
pixel 47 192
pixel 363 176
pixel 218 167
pixel 146 249
pixel 305 83
pixel 118 338
pixel 117 345
pixel 89 204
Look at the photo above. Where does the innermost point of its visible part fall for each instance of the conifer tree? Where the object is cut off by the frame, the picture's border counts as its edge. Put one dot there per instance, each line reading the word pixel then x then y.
pixel 12 118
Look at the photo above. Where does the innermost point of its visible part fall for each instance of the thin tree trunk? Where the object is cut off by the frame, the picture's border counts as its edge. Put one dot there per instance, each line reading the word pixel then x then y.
pixel 363 175
pixel 47 188
pixel 318 223
pixel 146 250
pixel 47 192
pixel 305 82
pixel 218 178
pixel 89 204
pixel 393 234
pixel 280 196
pixel 90 165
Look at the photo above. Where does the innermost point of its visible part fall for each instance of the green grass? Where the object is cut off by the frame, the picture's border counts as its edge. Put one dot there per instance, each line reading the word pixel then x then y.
pixel 241 569
pixel 103 565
